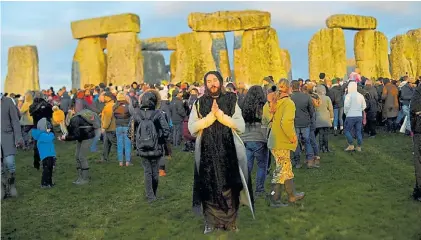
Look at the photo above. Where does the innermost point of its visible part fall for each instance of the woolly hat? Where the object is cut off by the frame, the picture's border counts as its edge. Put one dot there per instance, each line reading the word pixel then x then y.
pixel 43 125
pixel 335 81
pixel 272 89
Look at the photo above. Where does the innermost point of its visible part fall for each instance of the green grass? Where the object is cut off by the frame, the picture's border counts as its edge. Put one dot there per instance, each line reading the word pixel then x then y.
pixel 353 196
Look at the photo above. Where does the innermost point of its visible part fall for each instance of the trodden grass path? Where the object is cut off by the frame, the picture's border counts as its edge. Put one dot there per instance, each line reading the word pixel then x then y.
pixel 352 196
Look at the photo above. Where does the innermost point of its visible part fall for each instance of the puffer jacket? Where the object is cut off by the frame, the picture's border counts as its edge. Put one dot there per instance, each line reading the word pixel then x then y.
pixel 336 95
pixel 149 105
pixel 79 129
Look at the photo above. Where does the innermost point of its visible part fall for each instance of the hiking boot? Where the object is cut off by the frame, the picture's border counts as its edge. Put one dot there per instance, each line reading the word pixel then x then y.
pixel 12 185
pixel 84 179
pixel 162 173
pixel 274 197
pixel 293 196
pixel 79 176
pixel 317 161
pixel 121 164
pixel 349 148
pixel 358 149
pixel 310 164
pixel 208 229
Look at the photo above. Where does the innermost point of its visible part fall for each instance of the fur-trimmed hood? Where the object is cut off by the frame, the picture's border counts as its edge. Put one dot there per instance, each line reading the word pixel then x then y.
pixel 150 99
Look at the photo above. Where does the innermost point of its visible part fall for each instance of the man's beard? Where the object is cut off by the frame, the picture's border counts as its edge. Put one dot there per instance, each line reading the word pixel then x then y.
pixel 215 94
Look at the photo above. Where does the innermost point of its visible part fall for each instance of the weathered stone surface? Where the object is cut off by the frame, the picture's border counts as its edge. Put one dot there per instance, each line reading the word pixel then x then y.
pixel 238 67
pixel 371 53
pixel 173 65
pixel 260 56
pixel 286 62
pixel 22 70
pixel 159 44
pixel 350 65
pixel 353 22
pixel 405 54
pixel 104 25
pixel 225 21
pixel 194 56
pixel 89 62
pixel 220 54
pixel 124 59
pixel 326 53
pixel 154 70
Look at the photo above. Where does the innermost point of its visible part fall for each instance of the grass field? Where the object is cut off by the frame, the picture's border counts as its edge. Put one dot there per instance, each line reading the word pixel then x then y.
pixel 352 196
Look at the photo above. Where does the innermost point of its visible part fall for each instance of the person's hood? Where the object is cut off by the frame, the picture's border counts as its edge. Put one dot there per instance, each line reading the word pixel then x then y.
pixel 28 97
pixel 43 125
pixel 352 87
pixel 321 90
pixel 150 99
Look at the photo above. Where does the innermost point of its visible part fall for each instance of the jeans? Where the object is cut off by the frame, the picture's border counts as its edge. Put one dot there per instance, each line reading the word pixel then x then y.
pixel 353 124
pixel 150 169
pixel 9 164
pixel 123 144
pixel 303 135
pixel 259 151
pixel 401 116
pixel 314 143
pixel 177 131
pixel 95 140
pixel 337 117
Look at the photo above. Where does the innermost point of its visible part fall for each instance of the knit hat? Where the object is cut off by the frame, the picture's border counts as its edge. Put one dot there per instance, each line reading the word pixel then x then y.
pixel 121 96
pixel 335 81
pixel 43 125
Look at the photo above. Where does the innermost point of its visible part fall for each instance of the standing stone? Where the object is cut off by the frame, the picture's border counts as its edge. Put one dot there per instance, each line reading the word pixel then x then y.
pixel 154 70
pixel 124 58
pixel 173 65
pixel 350 66
pixel 260 57
pixel 286 62
pixel 371 54
pixel 22 70
pixel 89 62
pixel 238 67
pixel 220 54
pixel 405 54
pixel 194 57
pixel 326 53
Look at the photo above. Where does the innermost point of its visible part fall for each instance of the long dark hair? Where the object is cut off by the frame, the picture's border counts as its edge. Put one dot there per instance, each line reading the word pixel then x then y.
pixel 252 108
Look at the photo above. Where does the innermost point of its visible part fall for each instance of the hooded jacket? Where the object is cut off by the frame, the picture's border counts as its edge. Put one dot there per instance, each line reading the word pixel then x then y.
pixel 26 118
pixel 45 140
pixel 65 102
pixel 406 93
pixel 108 121
pixel 304 109
pixel 336 96
pixel 354 104
pixel 391 103
pixel 324 112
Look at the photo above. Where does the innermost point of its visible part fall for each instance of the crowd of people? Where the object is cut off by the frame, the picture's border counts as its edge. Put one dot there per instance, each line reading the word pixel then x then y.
pixel 228 126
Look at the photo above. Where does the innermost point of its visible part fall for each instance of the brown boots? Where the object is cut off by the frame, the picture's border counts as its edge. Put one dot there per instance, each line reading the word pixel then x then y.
pixel 293 196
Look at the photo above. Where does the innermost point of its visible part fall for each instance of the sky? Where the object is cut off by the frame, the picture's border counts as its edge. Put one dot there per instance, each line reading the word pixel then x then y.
pixel 47 25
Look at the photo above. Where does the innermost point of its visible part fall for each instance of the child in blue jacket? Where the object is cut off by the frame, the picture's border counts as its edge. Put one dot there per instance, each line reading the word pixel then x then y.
pixel 45 143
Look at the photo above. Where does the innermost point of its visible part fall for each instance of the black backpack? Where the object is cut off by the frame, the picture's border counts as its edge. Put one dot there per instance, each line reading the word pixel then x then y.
pixel 147 137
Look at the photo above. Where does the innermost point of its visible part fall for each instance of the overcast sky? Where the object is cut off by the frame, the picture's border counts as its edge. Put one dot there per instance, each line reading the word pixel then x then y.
pixel 47 25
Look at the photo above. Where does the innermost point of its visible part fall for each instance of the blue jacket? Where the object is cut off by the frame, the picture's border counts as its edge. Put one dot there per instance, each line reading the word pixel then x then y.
pixel 45 143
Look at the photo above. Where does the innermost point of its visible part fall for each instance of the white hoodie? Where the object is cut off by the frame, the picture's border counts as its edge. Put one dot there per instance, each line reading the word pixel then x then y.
pixel 354 102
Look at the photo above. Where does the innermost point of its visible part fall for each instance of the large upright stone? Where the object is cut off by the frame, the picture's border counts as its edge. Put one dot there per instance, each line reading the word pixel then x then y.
pixel 154 70
pixel 260 56
pixel 173 65
pixel 159 44
pixel 220 54
pixel 238 67
pixel 89 62
pixel 194 56
pixel 124 59
pixel 226 21
pixel 105 25
pixel 350 65
pixel 22 70
pixel 326 53
pixel 353 22
pixel 371 54
pixel 405 54
pixel 286 62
